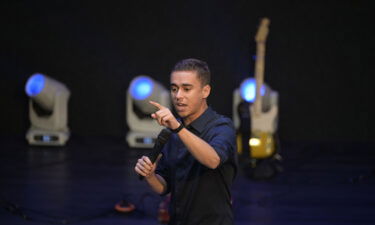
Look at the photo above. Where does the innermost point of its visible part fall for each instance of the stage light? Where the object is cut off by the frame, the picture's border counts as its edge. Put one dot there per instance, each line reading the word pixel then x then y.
pixel 246 94
pixel 143 130
pixel 247 90
pixel 48 111
pixel 141 88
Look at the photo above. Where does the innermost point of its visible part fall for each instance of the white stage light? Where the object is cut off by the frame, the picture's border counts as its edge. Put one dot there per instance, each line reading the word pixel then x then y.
pixel 48 111
pixel 246 93
pixel 143 130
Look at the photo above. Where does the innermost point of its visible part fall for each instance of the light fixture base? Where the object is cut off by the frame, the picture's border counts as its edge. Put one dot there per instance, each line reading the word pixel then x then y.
pixel 141 139
pixel 42 137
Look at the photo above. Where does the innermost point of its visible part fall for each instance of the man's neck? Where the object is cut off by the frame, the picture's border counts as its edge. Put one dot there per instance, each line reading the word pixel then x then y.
pixel 190 119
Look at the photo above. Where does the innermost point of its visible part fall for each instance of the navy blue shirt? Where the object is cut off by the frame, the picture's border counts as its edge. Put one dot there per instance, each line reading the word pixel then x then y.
pixel 200 195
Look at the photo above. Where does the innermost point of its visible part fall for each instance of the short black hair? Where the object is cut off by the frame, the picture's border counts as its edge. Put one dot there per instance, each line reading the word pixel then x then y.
pixel 199 66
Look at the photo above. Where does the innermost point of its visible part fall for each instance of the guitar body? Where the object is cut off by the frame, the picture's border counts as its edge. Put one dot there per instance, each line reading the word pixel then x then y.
pixel 263 126
pixel 265 147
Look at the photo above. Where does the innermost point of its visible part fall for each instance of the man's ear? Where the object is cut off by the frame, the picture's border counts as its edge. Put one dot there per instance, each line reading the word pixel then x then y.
pixel 206 91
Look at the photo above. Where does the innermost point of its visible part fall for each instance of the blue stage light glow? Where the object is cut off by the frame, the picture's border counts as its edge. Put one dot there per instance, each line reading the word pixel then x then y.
pixel 247 90
pixel 35 85
pixel 141 88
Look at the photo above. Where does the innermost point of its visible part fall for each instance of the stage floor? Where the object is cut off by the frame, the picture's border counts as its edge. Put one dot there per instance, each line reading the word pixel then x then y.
pixel 321 183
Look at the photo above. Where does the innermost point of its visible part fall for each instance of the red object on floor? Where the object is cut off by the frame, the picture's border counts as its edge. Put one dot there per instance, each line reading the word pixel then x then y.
pixel 124 207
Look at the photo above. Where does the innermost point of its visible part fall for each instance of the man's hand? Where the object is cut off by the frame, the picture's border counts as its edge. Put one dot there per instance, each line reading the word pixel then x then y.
pixel 164 116
pixel 145 167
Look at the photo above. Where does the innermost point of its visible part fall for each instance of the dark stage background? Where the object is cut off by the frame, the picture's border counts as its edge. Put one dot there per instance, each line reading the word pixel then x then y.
pixel 319 58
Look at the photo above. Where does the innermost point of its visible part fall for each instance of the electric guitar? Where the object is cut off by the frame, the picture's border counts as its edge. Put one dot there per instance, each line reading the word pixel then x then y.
pixel 263 123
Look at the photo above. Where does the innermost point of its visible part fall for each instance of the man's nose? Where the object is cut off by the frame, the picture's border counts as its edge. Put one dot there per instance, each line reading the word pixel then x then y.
pixel 179 94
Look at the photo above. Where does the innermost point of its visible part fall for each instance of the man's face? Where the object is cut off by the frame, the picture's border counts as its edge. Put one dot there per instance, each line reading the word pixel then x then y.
pixel 188 95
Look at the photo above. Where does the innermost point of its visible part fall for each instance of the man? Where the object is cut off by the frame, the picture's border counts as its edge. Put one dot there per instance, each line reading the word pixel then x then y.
pixel 198 163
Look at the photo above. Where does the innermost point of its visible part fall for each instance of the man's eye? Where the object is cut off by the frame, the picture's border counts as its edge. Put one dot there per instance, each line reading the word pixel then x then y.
pixel 173 89
pixel 187 89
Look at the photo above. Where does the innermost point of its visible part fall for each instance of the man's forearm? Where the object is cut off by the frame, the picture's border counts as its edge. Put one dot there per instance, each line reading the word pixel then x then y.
pixel 200 149
pixel 157 183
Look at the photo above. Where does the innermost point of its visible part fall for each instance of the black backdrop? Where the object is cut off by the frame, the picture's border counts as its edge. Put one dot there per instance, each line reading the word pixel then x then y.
pixel 318 58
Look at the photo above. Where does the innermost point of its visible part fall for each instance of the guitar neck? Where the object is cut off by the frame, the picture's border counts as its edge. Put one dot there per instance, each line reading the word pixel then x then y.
pixel 259 76
pixel 260 39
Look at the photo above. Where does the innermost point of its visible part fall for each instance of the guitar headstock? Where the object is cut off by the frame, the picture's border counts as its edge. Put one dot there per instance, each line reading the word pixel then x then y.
pixel 262 33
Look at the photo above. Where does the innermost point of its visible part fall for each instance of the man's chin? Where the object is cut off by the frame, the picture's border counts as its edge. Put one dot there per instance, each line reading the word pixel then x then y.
pixel 182 114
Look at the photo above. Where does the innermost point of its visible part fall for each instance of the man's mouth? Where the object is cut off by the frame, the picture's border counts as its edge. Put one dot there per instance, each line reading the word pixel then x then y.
pixel 180 106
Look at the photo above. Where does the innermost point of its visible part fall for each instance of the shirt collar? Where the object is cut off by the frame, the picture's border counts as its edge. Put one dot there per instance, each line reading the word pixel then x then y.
pixel 200 123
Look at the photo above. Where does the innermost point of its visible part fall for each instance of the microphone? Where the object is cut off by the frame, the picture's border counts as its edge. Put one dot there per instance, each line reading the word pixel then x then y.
pixel 162 138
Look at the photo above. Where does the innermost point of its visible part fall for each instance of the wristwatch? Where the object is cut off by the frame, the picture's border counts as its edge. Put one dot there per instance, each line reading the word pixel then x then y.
pixel 178 128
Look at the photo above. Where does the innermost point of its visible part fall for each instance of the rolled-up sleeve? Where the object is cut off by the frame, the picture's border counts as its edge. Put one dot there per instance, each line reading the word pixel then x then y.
pixel 163 170
pixel 223 140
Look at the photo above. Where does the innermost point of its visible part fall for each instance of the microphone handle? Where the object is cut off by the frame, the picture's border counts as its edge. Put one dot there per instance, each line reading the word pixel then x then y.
pixel 153 155
pixel 162 138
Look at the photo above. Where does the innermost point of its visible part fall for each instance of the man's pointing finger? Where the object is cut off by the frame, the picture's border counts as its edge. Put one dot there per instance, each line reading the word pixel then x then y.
pixel 157 105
